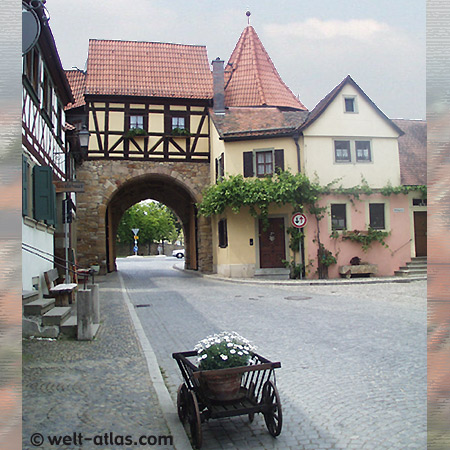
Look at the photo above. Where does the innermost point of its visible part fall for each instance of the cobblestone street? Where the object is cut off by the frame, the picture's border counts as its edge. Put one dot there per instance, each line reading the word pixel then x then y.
pixel 353 357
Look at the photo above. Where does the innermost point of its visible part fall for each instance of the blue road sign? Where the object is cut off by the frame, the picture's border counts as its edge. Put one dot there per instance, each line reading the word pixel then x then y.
pixel 135 249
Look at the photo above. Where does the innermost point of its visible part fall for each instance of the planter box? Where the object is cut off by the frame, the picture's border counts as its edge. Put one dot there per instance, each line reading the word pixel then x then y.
pixel 361 269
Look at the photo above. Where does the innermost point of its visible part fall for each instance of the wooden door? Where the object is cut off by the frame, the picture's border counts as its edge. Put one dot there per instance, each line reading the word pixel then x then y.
pixel 420 233
pixel 272 249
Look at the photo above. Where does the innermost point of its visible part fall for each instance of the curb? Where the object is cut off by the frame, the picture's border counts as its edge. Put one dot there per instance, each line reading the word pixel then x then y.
pixel 180 439
pixel 333 282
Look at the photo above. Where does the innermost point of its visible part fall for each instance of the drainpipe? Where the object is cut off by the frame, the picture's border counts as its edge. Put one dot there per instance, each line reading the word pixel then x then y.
pixel 296 137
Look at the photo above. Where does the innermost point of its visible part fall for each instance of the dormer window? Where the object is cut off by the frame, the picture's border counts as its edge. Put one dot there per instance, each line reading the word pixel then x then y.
pixel 350 105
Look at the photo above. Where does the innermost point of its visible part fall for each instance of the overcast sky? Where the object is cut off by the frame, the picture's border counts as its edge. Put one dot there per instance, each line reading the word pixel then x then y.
pixel 313 45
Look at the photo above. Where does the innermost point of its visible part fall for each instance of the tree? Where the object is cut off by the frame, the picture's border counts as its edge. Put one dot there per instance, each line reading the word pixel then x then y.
pixel 155 221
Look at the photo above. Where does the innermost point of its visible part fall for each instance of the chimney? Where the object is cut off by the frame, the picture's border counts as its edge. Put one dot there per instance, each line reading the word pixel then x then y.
pixel 218 86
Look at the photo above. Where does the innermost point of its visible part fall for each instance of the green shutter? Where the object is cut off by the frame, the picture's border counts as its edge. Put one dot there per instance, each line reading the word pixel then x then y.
pixel 44 195
pixel 25 186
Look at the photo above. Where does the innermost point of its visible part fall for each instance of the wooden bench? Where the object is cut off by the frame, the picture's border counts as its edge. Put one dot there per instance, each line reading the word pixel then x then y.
pixel 360 269
pixel 62 293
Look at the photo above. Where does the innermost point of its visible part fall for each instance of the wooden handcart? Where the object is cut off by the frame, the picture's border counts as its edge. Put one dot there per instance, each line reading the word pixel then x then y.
pixel 258 394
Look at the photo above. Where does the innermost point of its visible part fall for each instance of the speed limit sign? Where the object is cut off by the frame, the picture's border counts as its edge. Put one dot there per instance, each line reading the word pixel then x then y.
pixel 299 220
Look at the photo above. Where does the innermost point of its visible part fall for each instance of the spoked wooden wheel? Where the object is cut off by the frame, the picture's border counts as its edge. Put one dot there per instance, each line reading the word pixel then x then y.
pixel 195 423
pixel 251 396
pixel 182 402
pixel 273 415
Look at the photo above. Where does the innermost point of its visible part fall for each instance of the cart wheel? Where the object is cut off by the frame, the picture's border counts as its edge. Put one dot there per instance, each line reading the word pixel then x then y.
pixel 251 396
pixel 273 415
pixel 193 416
pixel 182 402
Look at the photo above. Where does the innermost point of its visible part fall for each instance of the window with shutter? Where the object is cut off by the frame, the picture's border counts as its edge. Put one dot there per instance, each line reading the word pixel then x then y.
pixel 44 195
pixel 263 162
pixel 25 185
pixel 248 164
pixel 223 234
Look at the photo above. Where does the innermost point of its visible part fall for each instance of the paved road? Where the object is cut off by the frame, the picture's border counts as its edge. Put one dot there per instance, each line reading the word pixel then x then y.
pixel 353 357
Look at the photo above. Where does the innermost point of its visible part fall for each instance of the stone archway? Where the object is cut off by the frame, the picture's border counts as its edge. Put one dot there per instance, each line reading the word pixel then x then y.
pixel 111 187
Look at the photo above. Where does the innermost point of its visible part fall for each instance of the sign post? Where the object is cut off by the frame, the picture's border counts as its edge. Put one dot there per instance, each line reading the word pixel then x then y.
pixel 299 221
pixel 136 237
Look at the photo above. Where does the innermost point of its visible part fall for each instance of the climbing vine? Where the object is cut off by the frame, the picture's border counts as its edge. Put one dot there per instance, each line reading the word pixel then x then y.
pixel 365 238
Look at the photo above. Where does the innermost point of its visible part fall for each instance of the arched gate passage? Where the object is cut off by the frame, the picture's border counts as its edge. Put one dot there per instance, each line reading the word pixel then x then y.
pixel 111 187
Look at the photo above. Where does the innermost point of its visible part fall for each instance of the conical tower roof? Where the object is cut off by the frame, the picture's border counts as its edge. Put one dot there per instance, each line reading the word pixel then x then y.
pixel 251 78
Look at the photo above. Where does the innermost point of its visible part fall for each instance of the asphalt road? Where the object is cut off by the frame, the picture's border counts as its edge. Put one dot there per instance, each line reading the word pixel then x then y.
pixel 353 357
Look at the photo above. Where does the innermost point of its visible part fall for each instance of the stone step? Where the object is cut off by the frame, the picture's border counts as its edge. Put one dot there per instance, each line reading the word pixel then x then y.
pixel 29 296
pixel 56 316
pixel 69 327
pixel 275 273
pixel 414 269
pixel 38 307
pixel 410 273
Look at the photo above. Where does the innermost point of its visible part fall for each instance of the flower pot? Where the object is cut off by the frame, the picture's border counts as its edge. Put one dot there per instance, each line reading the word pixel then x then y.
pixel 221 387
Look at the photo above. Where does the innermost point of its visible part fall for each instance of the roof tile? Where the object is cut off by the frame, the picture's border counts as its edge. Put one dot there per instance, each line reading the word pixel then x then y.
pixel 150 69
pixel 251 78
pixel 413 151
pixel 77 82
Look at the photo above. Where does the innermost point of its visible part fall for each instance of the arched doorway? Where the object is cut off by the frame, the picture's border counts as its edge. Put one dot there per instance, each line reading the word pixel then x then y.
pixel 163 189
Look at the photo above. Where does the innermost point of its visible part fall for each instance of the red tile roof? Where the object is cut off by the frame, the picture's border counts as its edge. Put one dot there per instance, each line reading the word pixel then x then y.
pixel 77 81
pixel 413 151
pixel 256 122
pixel 150 69
pixel 252 79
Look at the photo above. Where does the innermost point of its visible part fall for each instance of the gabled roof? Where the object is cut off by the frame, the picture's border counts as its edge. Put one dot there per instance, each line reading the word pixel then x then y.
pixel 412 148
pixel 150 69
pixel 77 81
pixel 256 122
pixel 323 104
pixel 251 78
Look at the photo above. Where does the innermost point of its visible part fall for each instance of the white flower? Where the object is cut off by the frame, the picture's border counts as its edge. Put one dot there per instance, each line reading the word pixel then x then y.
pixel 240 353
pixel 232 351
pixel 230 344
pixel 224 357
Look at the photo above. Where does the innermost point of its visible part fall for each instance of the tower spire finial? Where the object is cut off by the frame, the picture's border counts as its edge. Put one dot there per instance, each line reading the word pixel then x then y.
pixel 248 14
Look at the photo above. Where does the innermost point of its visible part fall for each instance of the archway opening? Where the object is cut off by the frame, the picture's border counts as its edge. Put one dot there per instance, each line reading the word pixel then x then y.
pixel 149 228
pixel 160 188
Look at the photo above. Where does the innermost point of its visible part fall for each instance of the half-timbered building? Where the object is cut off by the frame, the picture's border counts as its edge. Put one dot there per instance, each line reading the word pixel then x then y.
pixel 45 154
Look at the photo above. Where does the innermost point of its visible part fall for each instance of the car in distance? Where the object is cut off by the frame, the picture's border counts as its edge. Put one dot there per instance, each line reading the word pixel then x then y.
pixel 178 253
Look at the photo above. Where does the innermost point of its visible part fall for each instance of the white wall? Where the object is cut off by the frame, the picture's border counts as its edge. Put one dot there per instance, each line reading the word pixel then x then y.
pixel 32 265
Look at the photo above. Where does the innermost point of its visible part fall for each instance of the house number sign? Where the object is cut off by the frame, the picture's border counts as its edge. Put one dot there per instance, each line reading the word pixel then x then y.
pixel 299 220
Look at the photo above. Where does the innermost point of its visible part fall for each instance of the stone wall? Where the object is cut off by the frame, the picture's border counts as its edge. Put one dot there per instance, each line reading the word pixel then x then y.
pixel 166 182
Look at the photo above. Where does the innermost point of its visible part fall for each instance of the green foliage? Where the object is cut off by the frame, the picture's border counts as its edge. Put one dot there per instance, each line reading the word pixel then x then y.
pixel 180 132
pixel 236 192
pixel 391 190
pixel 365 238
pixel 155 222
pixel 132 132
pixel 296 235
pixel 326 258
pixel 296 269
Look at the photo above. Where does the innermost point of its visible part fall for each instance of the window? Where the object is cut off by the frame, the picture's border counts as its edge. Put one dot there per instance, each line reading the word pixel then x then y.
pixel 44 195
pixel 419 202
pixel 350 104
pixel 376 216
pixel 223 235
pixel 220 167
pixel 349 150
pixel 263 162
pixel 47 94
pixel 178 122
pixel 339 216
pixel 264 165
pixel 137 122
pixel 342 151
pixel 363 151
pixel 32 69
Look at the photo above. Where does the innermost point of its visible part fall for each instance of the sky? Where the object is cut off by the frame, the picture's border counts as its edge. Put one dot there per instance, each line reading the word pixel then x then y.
pixel 314 45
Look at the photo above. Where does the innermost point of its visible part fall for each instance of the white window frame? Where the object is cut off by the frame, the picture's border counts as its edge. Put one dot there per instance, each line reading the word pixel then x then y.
pixel 355 104
pixel 353 153
pixel 136 121
pixel 255 161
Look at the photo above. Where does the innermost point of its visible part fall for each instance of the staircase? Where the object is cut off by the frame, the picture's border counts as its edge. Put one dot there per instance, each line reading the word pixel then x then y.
pixel 41 318
pixel 416 268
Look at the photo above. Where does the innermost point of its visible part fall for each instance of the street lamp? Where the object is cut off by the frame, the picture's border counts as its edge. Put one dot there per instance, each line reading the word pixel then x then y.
pixel 84 136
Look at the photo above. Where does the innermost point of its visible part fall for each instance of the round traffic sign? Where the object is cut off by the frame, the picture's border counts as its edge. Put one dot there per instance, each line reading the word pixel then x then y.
pixel 299 220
